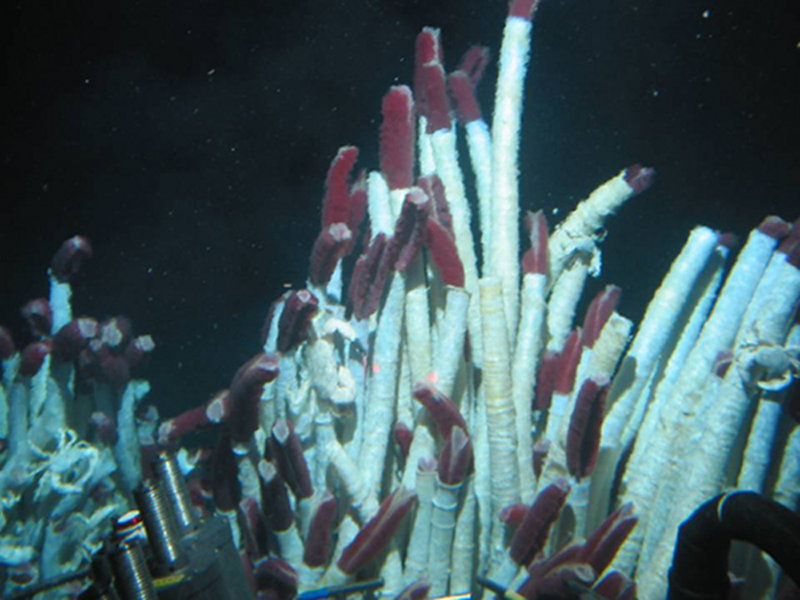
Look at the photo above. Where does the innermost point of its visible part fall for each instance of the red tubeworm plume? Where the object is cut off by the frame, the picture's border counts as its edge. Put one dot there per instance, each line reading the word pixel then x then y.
pixel 559 582
pixel 583 435
pixel 287 452
pixel 104 428
pixel 72 338
pixel 441 408
pixel 403 436
pixel 462 83
pixel 568 360
pixel 428 48
pixel 330 246
pixel 442 248
pixel 397 137
pixel 38 316
pixel 455 459
pixel 275 578
pixel 70 256
pixel 33 356
pixel 317 547
pixel 523 9
pixel 254 527
pixel 376 534
pixel 545 379
pixel 295 318
pixel 7 346
pixel 435 89
pixel 213 412
pixel 537 258
pixel 513 514
pixel 415 591
pixel 603 544
pixel 531 535
pixel 774 227
pixel 409 231
pixel 615 585
pixel 598 313
pixel 275 497
pixel 245 390
pixel 368 279
pixel 639 178
pixel 473 63
pixel 439 210
pixel 336 203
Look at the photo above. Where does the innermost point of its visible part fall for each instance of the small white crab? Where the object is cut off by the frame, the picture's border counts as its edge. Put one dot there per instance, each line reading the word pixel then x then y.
pixel 770 367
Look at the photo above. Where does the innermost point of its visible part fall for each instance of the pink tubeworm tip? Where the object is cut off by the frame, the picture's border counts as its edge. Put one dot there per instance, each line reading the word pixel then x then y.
pixel 397 137
pixel 569 357
pixel 441 408
pixel 33 356
pixel 288 454
pixel 403 436
pixel 474 63
pixel 444 254
pixel 7 346
pixel 531 535
pixel 378 531
pixel 72 338
pixel 583 435
pixel 523 9
pixel 774 227
pixel 331 245
pixel 70 256
pixel 545 380
pixel 433 80
pixel 115 332
pixel 38 316
pixel 467 108
pixel 455 460
pixel 537 258
pixel 513 514
pixel 317 547
pixel 139 351
pixel 639 178
pixel 335 204
pixel 440 210
pixel 245 391
pixel 295 318
pixel 598 313
pixel 415 591
pixel 274 496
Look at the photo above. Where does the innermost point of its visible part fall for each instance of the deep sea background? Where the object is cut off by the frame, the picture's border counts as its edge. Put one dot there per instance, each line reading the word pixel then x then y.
pixel 189 140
